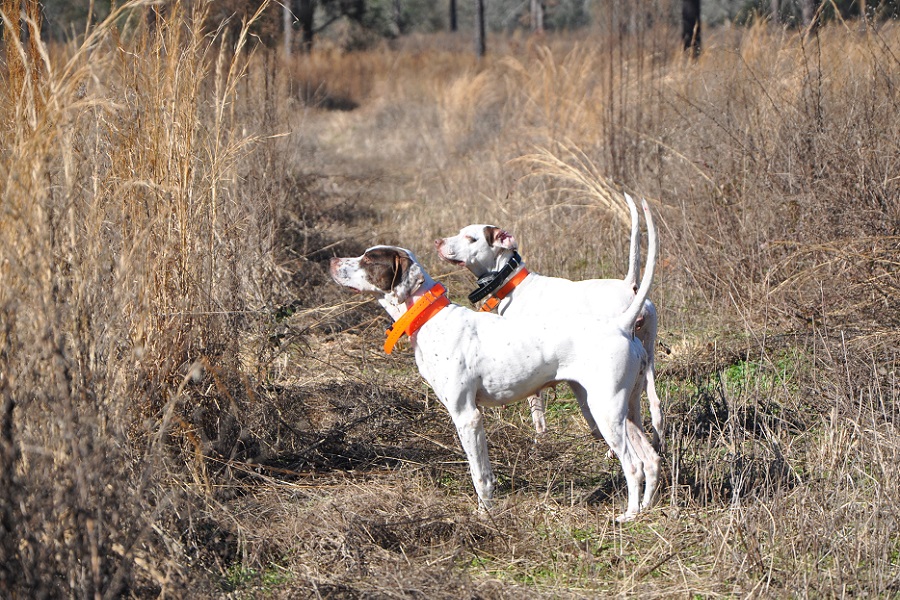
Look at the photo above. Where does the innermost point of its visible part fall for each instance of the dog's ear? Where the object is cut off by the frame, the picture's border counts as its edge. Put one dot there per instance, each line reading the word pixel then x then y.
pixel 408 277
pixel 500 238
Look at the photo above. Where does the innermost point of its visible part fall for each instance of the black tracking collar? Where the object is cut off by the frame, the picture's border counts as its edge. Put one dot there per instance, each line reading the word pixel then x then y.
pixel 490 283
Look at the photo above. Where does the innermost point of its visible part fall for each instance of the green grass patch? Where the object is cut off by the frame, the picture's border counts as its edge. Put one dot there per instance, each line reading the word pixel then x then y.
pixel 779 371
pixel 249 582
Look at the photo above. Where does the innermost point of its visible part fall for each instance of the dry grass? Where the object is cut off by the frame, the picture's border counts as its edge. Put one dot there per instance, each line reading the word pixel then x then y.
pixel 190 408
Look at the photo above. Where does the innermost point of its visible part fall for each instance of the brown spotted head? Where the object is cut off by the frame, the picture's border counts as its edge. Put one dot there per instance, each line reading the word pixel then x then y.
pixel 388 271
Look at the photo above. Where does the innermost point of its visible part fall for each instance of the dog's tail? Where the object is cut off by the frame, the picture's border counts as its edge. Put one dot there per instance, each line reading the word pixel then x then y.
pixel 634 254
pixel 629 317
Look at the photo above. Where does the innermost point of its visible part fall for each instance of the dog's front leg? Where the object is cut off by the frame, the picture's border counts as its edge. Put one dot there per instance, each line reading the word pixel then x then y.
pixel 470 428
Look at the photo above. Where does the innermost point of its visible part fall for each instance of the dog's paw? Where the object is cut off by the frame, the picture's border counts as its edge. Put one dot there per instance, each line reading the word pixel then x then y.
pixel 625 517
pixel 485 505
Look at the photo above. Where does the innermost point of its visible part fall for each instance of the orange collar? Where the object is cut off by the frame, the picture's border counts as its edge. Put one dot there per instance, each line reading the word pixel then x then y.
pixel 418 314
pixel 492 302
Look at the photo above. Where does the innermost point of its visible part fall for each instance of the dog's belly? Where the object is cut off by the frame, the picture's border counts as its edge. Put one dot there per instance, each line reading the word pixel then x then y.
pixel 498 391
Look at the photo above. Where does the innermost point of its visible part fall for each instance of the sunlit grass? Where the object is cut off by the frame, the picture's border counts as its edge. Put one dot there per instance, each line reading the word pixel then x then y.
pixel 175 431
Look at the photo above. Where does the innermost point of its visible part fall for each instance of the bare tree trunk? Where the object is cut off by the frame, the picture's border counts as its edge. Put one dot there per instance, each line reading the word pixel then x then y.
pixel 453 25
pixel 775 8
pixel 287 21
pixel 808 10
pixel 10 570
pixel 690 26
pixel 305 10
pixel 537 16
pixel 480 43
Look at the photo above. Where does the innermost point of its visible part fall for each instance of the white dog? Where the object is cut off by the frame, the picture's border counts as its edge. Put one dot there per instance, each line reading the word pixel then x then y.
pixel 474 359
pixel 490 253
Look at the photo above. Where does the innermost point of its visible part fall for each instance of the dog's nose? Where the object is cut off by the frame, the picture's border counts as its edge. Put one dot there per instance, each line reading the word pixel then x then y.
pixel 333 264
pixel 438 243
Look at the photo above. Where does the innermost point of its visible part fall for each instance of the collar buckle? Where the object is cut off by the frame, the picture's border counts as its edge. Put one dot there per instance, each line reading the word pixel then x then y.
pixel 492 302
pixel 417 315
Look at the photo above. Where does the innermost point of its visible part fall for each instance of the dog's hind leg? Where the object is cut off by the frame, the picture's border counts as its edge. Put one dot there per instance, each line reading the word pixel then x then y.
pixel 656 413
pixel 647 333
pixel 650 462
pixel 608 413
pixel 642 449
pixel 631 466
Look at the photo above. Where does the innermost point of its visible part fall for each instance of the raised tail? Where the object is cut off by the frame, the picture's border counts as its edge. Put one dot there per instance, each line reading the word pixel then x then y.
pixel 634 254
pixel 628 318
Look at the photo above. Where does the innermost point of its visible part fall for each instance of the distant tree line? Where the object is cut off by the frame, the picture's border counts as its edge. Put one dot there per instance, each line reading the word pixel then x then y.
pixel 796 13
pixel 295 24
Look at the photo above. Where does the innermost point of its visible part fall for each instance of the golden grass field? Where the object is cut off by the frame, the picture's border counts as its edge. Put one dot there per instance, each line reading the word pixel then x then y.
pixel 190 408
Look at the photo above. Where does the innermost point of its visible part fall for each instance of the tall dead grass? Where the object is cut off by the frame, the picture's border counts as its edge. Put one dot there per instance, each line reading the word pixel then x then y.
pixel 131 259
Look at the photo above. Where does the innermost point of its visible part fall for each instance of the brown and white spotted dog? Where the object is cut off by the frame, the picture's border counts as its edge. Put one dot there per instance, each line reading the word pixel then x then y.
pixel 474 359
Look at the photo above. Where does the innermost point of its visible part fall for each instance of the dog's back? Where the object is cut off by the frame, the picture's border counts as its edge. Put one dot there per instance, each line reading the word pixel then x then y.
pixel 539 294
pixel 507 361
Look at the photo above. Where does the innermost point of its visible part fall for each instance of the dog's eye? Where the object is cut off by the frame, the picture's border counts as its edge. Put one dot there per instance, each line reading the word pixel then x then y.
pixel 471 239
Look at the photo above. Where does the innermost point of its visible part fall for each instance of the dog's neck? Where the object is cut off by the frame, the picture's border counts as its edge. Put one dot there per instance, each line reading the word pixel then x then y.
pixel 480 269
pixel 492 281
pixel 397 309
pixel 503 259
